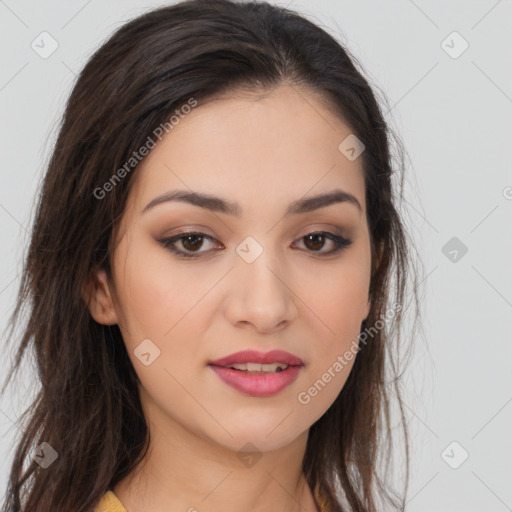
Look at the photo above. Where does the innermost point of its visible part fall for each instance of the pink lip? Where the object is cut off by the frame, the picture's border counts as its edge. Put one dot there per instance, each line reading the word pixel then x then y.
pixel 253 356
pixel 254 384
pixel 257 385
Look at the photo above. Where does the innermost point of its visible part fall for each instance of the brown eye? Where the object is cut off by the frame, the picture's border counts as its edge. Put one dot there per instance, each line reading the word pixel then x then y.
pixel 314 242
pixel 191 243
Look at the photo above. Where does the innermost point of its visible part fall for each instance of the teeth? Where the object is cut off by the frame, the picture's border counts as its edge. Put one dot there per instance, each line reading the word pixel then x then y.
pixel 258 368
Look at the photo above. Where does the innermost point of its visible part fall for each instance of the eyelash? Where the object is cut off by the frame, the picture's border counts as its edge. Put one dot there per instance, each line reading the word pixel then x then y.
pixel 340 243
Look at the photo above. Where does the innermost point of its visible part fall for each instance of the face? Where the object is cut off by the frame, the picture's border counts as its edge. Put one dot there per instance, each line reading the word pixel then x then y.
pixel 258 278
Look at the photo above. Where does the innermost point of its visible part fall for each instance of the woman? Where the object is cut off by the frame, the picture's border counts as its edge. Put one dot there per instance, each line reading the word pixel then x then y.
pixel 210 276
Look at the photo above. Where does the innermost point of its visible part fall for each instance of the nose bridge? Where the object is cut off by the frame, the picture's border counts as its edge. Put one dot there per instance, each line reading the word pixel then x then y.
pixel 258 268
pixel 260 294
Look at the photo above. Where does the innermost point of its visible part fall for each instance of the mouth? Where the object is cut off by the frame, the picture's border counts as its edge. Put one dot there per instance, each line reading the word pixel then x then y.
pixel 256 368
pixel 257 374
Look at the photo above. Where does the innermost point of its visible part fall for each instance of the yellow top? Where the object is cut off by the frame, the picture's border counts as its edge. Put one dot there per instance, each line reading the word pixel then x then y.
pixel 109 503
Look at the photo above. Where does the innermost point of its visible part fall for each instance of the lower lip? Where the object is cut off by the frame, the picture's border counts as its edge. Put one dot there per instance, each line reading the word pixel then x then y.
pixel 253 384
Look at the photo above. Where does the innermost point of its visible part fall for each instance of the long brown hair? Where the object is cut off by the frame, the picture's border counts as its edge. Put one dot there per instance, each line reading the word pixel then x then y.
pixel 88 408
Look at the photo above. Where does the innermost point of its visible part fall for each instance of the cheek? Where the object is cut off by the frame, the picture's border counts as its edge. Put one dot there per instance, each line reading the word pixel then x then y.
pixel 338 297
pixel 333 353
pixel 338 307
pixel 154 296
pixel 343 319
pixel 167 303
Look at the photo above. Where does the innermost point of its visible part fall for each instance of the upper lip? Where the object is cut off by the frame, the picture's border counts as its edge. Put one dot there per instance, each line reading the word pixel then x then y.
pixel 253 356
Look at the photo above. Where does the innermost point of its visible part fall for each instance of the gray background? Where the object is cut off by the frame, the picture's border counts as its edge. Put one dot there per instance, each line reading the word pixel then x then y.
pixel 453 115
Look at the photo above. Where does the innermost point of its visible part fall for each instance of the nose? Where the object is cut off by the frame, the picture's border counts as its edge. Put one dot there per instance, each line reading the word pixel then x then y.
pixel 261 297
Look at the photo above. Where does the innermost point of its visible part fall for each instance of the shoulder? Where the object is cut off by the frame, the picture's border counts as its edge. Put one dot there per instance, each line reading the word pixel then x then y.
pixel 109 503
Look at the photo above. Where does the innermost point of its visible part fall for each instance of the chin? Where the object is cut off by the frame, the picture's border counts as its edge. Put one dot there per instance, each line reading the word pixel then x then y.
pixel 263 438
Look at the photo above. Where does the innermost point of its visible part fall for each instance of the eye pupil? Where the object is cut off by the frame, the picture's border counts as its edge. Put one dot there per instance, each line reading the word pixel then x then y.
pixel 315 237
pixel 197 245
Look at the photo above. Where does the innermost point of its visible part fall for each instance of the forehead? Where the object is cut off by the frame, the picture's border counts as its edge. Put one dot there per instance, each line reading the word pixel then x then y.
pixel 274 146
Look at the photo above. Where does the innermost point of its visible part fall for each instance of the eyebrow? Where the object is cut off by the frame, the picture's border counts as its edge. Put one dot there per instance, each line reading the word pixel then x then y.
pixel 217 204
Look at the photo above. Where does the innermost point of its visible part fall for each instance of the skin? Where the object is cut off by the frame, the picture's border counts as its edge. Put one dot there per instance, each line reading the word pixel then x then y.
pixel 262 153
